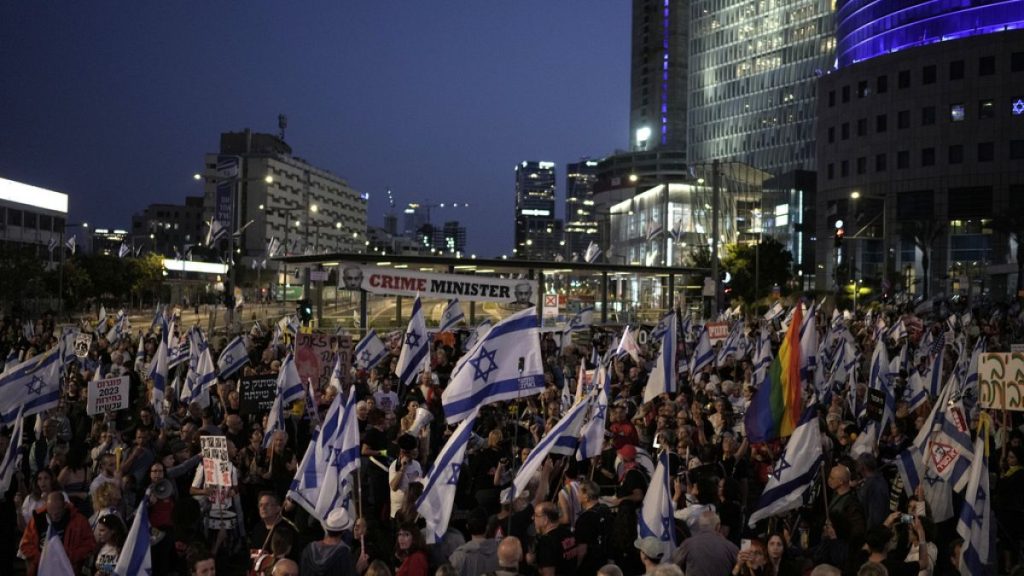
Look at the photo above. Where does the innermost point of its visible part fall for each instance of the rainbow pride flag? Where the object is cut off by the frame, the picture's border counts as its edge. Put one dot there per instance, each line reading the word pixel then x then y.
pixel 774 411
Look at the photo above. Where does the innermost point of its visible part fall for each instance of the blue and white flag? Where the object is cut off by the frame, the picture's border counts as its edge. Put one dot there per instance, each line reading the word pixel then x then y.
pixel 176 354
pixel 32 385
pixel 664 378
pixel 370 351
pixel 582 320
pixel 731 345
pixel 977 555
pixel 123 251
pixel 505 364
pixel 916 394
pixel 72 244
pixel 52 244
pixel 119 329
pixel 677 230
pixel 793 472
pixel 289 385
pixel 54 560
pixel 101 319
pixel 216 232
pixel 916 466
pixel 627 345
pixel 951 451
pixel 592 433
pixel 880 379
pixel 158 371
pixel 592 254
pixel 653 229
pixel 562 439
pixel 479 332
pixel 275 420
pixel 451 316
pixel 703 353
pixel 305 487
pixel 659 330
pixel 762 355
pixel 935 372
pixel 343 448
pixel 201 372
pixel 135 558
pixel 10 459
pixel 438 498
pixel 232 358
pixel 657 515
pixel 415 348
pixel 776 311
pixel 337 375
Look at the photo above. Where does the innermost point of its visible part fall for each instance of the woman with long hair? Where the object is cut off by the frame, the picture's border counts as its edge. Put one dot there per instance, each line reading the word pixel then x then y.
pixel 779 562
pixel 42 484
pixel 110 536
pixel 410 552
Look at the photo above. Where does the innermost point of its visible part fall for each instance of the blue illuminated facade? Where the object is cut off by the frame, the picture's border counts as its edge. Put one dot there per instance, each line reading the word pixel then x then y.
pixel 869 28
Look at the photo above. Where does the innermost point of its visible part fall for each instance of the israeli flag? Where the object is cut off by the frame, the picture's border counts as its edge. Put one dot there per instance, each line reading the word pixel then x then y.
pixel 232 358
pixel 134 558
pixel 880 379
pixel 337 377
pixel 123 251
pixel 275 420
pixel 32 386
pixel 703 354
pixel 216 232
pixel 657 515
pixel 370 351
pixel 10 462
pixel 72 244
pixel 793 472
pixel 52 244
pixel 653 229
pixel 177 354
pixel 592 254
pixel 119 328
pixel 54 559
pixel 158 370
pixel 201 372
pixel 731 346
pixel 662 326
pixel 451 316
pixel 627 345
pixel 342 449
pixel 479 332
pixel 436 502
pixel 975 524
pixel 917 395
pixel 562 439
pixel 305 487
pixel 415 347
pixel 582 320
pixel 505 364
pixel 935 372
pixel 915 465
pixel 762 355
pixel 592 433
pixel 289 385
pixel 664 378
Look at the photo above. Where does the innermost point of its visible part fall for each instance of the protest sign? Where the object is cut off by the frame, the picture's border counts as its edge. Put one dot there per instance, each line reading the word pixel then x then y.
pixel 82 343
pixel 1001 381
pixel 256 394
pixel 216 464
pixel 315 354
pixel 108 395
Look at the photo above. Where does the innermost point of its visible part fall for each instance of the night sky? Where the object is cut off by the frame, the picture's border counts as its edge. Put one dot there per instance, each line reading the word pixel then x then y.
pixel 115 103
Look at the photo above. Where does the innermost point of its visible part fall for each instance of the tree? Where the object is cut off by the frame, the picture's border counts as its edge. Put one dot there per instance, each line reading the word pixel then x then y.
pixel 766 265
pixel 147 275
pixel 22 272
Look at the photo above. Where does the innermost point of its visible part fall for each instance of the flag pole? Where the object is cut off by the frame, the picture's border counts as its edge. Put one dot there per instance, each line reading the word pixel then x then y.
pixel 824 491
pixel 359 494
pixel 515 444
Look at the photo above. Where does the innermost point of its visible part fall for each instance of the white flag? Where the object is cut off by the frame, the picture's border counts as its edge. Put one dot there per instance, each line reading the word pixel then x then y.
pixel 305 487
pixel 54 560
pixel 370 350
pixel 135 558
pixel 975 525
pixel 561 439
pixel 10 458
pixel 343 448
pixel 592 433
pixel 33 384
pixel 664 378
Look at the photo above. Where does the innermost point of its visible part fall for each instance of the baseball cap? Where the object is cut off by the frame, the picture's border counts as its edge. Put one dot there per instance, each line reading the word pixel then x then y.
pixel 652 547
pixel 628 452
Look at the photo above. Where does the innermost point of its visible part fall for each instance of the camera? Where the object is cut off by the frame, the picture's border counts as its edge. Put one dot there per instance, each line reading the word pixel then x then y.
pixel 906 519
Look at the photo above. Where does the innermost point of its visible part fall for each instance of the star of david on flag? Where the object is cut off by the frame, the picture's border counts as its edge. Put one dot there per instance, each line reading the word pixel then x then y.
pixel 794 472
pixel 482 371
pixel 435 504
pixel 415 348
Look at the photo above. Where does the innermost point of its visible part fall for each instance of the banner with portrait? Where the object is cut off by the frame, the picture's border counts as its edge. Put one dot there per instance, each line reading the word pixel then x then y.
pixel 465 287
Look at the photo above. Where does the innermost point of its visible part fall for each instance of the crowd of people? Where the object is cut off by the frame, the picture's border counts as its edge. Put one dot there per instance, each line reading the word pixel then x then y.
pixel 83 477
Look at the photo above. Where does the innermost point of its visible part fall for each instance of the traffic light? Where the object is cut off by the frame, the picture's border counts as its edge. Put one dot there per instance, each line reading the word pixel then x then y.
pixel 305 311
pixel 840 234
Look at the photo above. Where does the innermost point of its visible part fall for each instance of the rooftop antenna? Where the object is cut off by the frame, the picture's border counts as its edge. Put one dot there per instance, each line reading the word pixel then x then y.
pixel 282 123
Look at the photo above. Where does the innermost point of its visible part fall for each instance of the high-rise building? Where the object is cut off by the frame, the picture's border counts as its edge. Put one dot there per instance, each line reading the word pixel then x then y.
pixel 921 151
pixel 307 208
pixel 580 216
pixel 538 234
pixel 108 242
pixel 753 74
pixel 659 64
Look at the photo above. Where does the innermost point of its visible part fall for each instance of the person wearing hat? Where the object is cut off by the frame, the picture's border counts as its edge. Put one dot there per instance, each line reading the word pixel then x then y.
pixel 403 471
pixel 330 555
pixel 652 550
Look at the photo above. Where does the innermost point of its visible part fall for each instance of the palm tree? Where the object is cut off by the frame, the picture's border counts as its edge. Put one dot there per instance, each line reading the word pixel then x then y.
pixel 924 233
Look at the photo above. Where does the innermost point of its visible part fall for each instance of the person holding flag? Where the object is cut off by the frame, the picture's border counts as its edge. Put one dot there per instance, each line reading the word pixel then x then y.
pixel 67 523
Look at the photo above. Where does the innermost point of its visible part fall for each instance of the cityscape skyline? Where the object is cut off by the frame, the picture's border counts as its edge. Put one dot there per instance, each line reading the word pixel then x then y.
pixel 122 117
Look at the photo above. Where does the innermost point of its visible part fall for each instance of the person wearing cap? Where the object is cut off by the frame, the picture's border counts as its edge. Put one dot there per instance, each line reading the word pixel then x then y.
pixel 652 550
pixel 403 471
pixel 330 555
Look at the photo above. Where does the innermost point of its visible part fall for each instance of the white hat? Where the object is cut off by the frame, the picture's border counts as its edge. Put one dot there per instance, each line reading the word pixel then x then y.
pixel 338 521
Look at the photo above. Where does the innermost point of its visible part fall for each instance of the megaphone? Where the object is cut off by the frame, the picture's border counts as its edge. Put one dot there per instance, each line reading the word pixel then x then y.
pixel 423 418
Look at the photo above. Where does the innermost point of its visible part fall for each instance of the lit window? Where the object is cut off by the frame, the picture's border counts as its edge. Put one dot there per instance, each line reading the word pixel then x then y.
pixel 956 112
